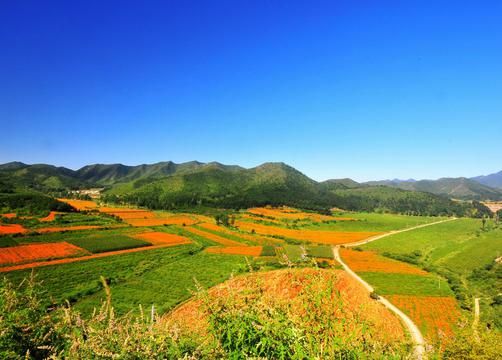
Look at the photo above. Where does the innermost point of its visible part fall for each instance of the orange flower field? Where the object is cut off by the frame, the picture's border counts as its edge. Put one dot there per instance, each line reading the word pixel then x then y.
pixel 9 215
pixel 218 239
pixel 317 236
pixel 292 214
pixel 50 217
pixel 370 261
pixel 12 229
pixel 173 220
pixel 21 253
pixel 236 250
pixel 162 239
pixel 81 204
pixel 222 229
pixel 434 315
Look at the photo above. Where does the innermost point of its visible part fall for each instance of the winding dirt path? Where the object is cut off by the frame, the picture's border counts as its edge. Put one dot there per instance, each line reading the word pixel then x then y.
pixel 415 332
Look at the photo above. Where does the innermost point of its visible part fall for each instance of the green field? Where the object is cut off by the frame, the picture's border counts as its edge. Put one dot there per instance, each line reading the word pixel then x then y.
pixel 162 277
pixel 99 244
pixel 373 222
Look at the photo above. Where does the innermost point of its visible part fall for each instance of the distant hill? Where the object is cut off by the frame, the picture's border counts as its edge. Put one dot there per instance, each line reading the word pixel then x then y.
pixel 456 188
pixel 492 180
pixel 167 185
pixel 39 177
pixel 214 184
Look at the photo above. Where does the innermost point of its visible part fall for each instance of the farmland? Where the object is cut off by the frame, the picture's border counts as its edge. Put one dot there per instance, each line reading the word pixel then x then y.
pixel 159 257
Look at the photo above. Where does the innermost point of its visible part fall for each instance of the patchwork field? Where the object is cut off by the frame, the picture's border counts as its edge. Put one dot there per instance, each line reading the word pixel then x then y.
pixel 154 257
pixel 323 237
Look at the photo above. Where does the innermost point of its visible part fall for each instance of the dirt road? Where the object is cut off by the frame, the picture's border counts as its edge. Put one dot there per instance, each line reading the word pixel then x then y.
pixel 413 329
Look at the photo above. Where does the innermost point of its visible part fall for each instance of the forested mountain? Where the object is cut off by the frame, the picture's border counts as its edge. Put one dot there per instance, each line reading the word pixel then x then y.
pixel 167 185
pixel 456 188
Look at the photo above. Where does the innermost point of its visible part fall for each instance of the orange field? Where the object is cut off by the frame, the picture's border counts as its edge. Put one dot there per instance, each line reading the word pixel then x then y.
pixel 291 214
pixel 12 229
pixel 161 238
pixel 317 236
pixel 81 204
pixel 436 316
pixel 370 261
pixel 50 217
pixel 9 215
pixel 22 253
pixel 218 239
pixel 236 250
pixel 67 228
pixel 173 220
pixel 255 238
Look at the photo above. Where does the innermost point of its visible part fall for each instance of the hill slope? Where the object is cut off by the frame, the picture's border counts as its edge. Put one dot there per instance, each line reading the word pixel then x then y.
pixel 492 180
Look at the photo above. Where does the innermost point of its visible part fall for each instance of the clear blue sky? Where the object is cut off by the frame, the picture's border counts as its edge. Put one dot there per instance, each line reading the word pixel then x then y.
pixel 361 89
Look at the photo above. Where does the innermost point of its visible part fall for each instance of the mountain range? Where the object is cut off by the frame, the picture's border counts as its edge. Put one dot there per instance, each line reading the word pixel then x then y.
pixel 171 185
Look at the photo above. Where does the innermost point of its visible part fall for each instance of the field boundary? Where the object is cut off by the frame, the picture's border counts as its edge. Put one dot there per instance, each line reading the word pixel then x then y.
pixel 83 258
pixel 414 331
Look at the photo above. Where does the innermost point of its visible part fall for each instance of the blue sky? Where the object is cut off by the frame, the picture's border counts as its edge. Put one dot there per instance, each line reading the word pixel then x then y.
pixel 367 90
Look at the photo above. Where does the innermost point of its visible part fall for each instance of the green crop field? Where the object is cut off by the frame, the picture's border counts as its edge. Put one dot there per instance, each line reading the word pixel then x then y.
pixel 373 222
pixel 99 244
pixel 162 277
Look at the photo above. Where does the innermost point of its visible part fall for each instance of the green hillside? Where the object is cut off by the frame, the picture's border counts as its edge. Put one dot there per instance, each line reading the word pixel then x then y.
pixel 167 185
pixel 40 177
